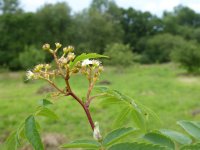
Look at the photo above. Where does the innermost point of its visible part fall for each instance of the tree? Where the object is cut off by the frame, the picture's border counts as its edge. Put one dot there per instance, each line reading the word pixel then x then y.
pixel 9 6
pixel 137 24
pixel 54 23
pixel 188 56
pixel 120 55
pixel 95 30
pixel 16 30
pixel 159 47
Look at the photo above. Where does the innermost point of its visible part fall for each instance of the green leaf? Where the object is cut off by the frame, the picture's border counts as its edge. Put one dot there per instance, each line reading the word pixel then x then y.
pixel 85 56
pixel 116 135
pixel 136 146
pixel 150 112
pixel 176 136
pixel 46 113
pixel 159 139
pixel 191 127
pixel 32 134
pixel 90 144
pixel 115 97
pixel 138 119
pixel 21 131
pixel 12 142
pixel 195 146
pixel 122 116
pixel 45 102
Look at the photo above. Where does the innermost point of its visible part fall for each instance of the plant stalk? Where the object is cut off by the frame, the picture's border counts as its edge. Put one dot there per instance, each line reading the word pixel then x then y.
pixel 85 109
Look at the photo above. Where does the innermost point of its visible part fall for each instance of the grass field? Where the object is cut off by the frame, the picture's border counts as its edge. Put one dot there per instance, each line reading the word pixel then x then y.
pixel 163 88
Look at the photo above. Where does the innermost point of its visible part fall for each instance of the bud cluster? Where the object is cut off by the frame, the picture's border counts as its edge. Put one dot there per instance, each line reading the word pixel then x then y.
pixel 41 71
pixel 90 68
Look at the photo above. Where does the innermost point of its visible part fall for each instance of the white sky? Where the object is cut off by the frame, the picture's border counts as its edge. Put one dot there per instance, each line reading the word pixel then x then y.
pixel 154 6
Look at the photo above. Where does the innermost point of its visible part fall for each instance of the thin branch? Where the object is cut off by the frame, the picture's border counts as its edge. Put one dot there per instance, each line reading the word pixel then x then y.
pixel 56 87
pixel 57 63
pixel 93 97
pixel 68 88
pixel 70 92
pixel 85 109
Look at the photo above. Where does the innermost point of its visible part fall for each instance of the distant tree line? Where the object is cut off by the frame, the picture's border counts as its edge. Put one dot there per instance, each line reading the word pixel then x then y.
pixel 104 27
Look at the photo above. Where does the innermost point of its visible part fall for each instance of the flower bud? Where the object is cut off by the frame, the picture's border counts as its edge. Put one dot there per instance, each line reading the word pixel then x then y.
pixel 38 68
pixel 76 70
pixel 71 56
pixel 47 66
pixel 96 134
pixel 70 48
pixel 65 50
pixel 46 46
pixel 58 45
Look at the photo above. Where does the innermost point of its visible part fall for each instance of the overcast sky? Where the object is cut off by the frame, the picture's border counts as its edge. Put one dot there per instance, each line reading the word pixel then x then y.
pixel 154 6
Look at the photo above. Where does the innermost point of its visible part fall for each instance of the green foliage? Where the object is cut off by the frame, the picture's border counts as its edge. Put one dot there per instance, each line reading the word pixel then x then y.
pixel 127 105
pixel 136 113
pixel 176 136
pixel 159 48
pixel 54 23
pixel 159 139
pixel 195 146
pixel 188 56
pixel 15 26
pixel 137 146
pixel 12 142
pixel 9 6
pixel 120 55
pixel 192 128
pixel 45 102
pixel 100 28
pixel 137 24
pixel 32 133
pixel 29 129
pixel 89 144
pixel 30 57
pixel 46 113
pixel 116 135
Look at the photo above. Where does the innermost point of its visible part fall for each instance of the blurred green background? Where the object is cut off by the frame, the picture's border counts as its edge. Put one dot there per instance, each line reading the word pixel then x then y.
pixel 155 60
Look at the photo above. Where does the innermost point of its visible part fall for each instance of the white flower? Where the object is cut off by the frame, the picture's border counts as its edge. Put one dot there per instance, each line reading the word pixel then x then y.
pixel 96 63
pixel 96 134
pixel 86 62
pixel 29 75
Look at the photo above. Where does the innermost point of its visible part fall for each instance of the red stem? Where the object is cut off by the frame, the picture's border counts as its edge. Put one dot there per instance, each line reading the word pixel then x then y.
pixel 85 109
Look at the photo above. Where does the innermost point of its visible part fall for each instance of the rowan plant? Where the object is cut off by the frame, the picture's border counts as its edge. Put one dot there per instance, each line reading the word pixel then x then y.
pixel 68 64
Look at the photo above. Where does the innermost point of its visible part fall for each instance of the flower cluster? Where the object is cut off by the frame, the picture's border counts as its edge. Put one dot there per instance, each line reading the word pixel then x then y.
pixel 41 71
pixel 90 68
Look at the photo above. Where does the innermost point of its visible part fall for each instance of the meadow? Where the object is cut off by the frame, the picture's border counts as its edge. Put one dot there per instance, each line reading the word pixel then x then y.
pixel 166 89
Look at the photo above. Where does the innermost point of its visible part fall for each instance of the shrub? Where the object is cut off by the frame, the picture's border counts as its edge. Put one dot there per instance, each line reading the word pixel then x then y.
pixel 119 54
pixel 30 57
pixel 159 47
pixel 67 65
pixel 188 56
